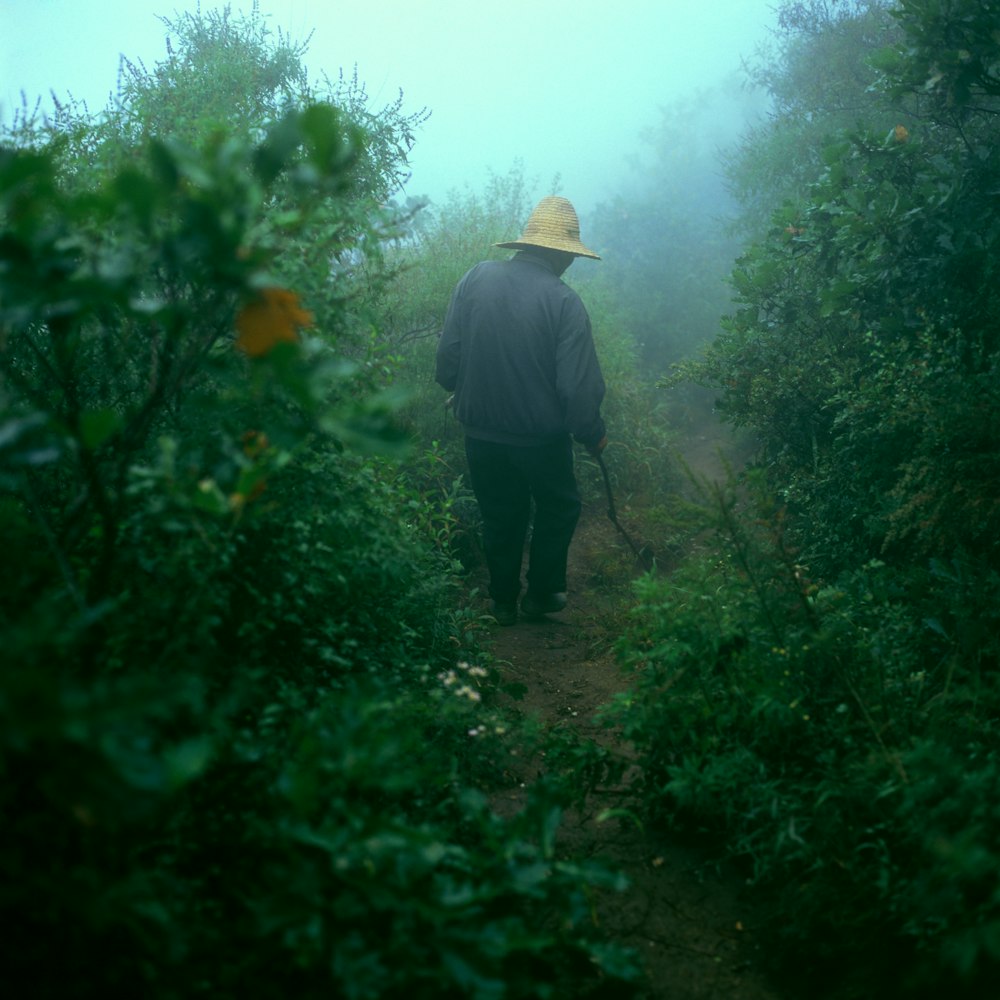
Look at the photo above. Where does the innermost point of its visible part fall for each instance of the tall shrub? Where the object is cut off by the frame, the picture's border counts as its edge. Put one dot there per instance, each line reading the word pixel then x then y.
pixel 241 715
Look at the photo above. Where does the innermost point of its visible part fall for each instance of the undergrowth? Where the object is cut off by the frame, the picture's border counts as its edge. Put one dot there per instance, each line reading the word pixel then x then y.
pixel 247 726
pixel 839 738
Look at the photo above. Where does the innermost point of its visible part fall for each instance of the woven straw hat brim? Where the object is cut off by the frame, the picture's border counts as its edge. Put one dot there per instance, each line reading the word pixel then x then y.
pixel 553 225
pixel 576 248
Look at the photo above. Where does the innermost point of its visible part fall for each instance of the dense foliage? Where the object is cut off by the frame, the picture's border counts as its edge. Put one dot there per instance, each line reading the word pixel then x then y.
pixel 864 347
pixel 820 686
pixel 246 725
pixel 249 721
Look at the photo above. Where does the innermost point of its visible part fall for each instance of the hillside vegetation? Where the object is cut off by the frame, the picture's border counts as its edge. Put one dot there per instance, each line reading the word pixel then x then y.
pixel 250 719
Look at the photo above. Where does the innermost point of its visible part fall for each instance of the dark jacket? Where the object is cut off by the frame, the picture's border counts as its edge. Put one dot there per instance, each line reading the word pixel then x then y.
pixel 518 352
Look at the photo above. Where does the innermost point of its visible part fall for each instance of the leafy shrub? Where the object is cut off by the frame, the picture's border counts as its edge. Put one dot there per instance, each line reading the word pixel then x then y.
pixel 839 739
pixel 242 721
pixel 817 690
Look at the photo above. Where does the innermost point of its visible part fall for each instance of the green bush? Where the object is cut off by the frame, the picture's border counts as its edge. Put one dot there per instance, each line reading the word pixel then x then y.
pixel 839 740
pixel 243 722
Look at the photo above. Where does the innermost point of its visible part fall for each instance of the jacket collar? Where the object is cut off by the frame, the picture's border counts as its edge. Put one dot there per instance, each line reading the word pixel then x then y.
pixel 534 257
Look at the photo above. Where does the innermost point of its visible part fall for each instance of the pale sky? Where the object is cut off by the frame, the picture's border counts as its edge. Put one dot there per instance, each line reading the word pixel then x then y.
pixel 563 87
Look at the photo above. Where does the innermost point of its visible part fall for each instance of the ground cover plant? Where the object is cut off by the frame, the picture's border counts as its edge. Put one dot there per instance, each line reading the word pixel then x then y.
pixel 834 738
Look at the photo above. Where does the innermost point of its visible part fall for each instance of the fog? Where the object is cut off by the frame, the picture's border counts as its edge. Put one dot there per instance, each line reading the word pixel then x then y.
pixel 563 89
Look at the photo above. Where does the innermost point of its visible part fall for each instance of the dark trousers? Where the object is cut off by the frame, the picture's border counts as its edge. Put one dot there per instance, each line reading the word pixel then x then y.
pixel 506 479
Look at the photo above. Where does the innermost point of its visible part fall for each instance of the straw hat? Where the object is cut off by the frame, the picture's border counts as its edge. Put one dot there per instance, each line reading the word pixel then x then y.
pixel 553 224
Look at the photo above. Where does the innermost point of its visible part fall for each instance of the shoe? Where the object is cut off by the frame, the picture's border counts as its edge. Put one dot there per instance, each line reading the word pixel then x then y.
pixel 533 606
pixel 505 614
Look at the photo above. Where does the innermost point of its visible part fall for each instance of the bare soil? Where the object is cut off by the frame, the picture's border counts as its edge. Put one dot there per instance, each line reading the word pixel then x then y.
pixel 686 916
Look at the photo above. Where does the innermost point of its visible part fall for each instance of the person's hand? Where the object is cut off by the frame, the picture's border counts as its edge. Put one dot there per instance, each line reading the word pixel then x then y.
pixel 596 449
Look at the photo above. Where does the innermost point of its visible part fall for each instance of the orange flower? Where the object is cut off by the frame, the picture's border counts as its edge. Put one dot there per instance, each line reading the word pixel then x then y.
pixel 254 443
pixel 900 133
pixel 274 317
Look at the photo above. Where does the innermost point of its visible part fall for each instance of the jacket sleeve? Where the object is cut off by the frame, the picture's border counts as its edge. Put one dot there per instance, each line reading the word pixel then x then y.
pixel 449 349
pixel 579 381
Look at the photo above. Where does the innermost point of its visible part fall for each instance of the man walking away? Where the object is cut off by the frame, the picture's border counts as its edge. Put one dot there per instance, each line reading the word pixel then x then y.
pixel 518 353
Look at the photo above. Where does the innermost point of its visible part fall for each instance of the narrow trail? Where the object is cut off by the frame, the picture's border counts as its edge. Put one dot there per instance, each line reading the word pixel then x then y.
pixel 685 916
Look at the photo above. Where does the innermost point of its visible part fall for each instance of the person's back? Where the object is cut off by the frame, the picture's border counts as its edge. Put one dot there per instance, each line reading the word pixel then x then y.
pixel 517 351
pixel 518 354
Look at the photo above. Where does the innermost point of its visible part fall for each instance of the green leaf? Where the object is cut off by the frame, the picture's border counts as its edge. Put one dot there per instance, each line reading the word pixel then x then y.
pixel 138 193
pixel 209 498
pixel 273 155
pixel 164 163
pixel 187 760
pixel 323 129
pixel 96 426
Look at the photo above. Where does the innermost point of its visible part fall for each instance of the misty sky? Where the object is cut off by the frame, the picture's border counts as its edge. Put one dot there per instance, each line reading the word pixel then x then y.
pixel 563 87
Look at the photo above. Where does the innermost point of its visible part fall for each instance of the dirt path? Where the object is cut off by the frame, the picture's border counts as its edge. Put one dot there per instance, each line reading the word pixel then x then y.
pixel 686 917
